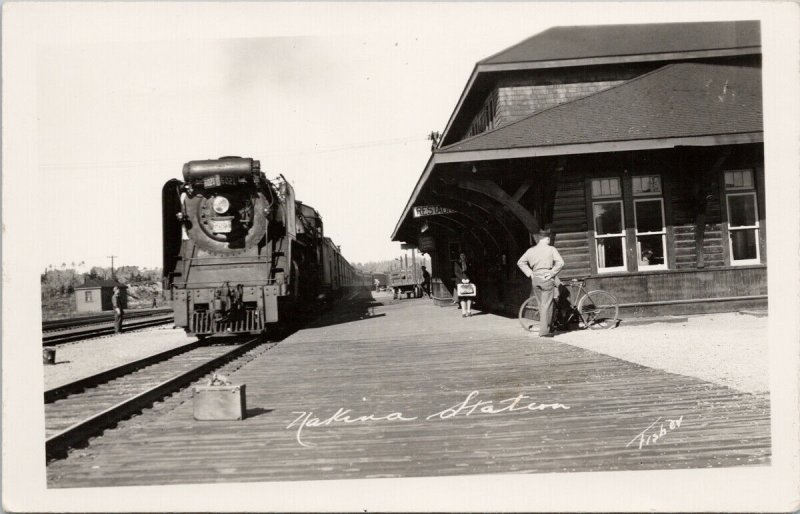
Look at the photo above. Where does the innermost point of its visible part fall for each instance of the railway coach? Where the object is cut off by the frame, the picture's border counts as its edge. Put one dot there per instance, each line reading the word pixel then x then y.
pixel 240 252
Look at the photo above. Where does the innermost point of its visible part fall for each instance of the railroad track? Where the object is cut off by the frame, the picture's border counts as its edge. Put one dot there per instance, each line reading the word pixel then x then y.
pixel 62 324
pixel 80 410
pixel 70 335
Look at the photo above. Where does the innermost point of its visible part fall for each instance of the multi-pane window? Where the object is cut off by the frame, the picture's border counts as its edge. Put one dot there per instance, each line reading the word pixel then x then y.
pixel 651 231
pixel 606 188
pixel 647 185
pixel 609 228
pixel 88 296
pixel 739 179
pixel 484 120
pixel 742 217
pixel 490 112
pixel 609 225
pixel 649 227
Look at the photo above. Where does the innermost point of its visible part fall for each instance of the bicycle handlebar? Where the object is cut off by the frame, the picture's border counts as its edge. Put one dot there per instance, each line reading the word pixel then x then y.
pixel 578 279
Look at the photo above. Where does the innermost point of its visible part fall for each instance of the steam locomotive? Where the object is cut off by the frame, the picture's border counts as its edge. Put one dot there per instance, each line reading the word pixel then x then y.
pixel 240 252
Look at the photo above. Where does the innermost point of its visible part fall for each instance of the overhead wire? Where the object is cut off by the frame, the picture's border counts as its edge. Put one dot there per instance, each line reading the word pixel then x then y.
pixel 322 150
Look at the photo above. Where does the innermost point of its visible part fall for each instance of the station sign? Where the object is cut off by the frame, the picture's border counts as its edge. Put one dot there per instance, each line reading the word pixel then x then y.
pixel 426 244
pixel 431 210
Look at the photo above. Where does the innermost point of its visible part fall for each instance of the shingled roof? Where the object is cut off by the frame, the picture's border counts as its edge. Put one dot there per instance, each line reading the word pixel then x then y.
pixel 677 100
pixel 94 283
pixel 582 42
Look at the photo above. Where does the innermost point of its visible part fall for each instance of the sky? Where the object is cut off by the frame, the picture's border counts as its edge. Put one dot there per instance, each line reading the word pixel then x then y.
pixel 343 117
pixel 339 98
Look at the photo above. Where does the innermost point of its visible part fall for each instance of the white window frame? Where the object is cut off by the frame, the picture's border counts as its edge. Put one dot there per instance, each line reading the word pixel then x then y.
pixel 88 297
pixel 731 230
pixel 620 235
pixel 662 233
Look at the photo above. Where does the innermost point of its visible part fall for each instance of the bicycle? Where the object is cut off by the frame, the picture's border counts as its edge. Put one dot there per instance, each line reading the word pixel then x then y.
pixel 594 310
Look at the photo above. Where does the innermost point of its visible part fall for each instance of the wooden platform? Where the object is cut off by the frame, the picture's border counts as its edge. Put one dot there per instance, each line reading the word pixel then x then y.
pixel 405 378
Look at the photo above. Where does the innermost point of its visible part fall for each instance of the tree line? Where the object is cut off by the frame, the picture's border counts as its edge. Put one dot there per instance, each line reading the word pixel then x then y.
pixel 62 281
pixel 388 265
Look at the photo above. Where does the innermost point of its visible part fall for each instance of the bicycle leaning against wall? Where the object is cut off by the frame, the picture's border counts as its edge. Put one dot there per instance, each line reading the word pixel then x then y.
pixel 595 310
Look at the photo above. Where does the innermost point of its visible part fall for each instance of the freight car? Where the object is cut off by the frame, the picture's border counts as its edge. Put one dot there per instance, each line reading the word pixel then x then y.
pixel 404 282
pixel 240 252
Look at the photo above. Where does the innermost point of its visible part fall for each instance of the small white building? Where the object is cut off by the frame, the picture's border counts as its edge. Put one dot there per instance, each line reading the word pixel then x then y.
pixel 95 295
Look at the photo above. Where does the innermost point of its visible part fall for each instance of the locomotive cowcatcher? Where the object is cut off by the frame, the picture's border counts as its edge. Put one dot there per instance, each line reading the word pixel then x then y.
pixel 240 252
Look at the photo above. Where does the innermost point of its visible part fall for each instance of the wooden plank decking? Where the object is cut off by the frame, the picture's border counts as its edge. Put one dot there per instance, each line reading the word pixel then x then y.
pixel 579 410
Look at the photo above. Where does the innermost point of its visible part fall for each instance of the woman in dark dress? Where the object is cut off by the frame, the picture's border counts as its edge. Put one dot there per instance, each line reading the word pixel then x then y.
pixel 462 270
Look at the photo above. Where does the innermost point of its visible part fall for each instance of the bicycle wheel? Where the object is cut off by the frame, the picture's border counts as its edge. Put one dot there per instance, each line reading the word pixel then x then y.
pixel 599 310
pixel 529 315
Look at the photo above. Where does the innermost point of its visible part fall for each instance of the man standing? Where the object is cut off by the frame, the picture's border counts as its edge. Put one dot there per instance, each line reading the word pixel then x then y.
pixel 541 263
pixel 426 281
pixel 116 302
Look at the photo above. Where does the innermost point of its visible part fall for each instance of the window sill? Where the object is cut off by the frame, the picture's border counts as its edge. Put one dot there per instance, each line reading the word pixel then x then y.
pixel 741 264
pixel 657 267
pixel 604 274
pixel 611 271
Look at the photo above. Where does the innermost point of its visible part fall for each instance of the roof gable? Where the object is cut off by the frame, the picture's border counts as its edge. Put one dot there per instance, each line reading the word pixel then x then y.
pixel 677 100
pixel 585 42
pixel 605 45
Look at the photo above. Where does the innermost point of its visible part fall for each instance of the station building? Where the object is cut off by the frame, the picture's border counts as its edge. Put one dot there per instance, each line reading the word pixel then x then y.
pixel 94 295
pixel 640 146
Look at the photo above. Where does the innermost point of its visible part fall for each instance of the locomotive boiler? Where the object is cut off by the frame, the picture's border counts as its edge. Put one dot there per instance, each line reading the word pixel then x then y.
pixel 241 253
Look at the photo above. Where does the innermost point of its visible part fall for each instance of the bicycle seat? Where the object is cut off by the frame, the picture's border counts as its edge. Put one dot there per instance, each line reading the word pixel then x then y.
pixel 578 279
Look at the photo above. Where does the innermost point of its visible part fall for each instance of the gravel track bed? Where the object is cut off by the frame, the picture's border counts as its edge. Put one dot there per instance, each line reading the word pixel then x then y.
pixel 88 357
pixel 728 349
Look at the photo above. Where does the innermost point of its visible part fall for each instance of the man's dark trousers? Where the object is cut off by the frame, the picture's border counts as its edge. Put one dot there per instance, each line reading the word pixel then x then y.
pixel 118 322
pixel 544 290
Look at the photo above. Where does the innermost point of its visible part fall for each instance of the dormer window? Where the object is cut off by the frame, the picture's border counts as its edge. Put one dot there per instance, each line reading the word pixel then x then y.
pixel 484 120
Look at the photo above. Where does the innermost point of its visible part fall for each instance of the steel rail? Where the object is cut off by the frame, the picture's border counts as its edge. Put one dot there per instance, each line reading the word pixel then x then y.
pixel 58 444
pixel 62 391
pixel 62 324
pixel 51 339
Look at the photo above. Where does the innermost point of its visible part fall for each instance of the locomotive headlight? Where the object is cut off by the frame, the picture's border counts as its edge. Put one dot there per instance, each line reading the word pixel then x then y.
pixel 220 204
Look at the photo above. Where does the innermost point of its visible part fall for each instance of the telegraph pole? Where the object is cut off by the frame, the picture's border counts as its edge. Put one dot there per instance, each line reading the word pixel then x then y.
pixel 112 265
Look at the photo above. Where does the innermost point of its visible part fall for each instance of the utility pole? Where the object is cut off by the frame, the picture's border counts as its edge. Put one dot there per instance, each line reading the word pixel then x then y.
pixel 112 265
